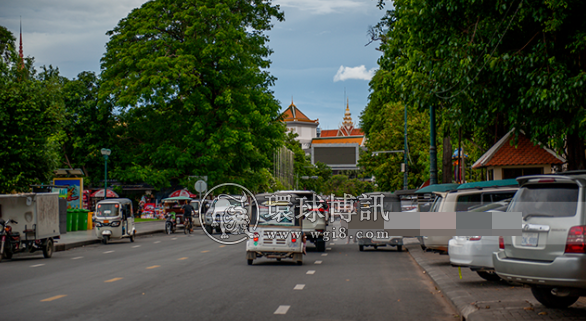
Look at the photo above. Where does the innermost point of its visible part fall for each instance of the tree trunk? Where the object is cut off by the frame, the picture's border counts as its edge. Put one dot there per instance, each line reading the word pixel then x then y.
pixel 447 160
pixel 575 147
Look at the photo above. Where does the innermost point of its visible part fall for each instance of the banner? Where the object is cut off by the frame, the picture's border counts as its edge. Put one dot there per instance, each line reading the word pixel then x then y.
pixel 74 191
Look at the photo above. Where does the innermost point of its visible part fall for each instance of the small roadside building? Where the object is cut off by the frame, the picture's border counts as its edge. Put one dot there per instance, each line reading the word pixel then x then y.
pixel 505 160
pixel 298 123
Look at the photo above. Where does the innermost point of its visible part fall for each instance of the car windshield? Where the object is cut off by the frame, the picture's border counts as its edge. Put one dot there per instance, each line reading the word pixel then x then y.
pixel 549 200
pixel 107 210
pixel 436 203
pixel 276 215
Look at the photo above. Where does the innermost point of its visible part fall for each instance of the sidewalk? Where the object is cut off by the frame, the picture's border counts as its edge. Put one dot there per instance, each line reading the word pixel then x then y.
pixel 476 299
pixel 70 240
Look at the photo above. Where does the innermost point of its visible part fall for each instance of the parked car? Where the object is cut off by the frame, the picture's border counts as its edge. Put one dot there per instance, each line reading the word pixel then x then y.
pixel 426 198
pixel 467 197
pixel 475 252
pixel 550 255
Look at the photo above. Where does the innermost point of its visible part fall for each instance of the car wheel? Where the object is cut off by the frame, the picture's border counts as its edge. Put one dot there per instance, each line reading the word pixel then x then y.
pixel 218 230
pixel 209 229
pixel 7 254
pixel 320 245
pixel 375 247
pixel 399 248
pixel 249 261
pixel 299 262
pixel 489 276
pixel 545 297
pixel 361 248
pixel 168 228
pixel 132 236
pixel 104 240
pixel 48 248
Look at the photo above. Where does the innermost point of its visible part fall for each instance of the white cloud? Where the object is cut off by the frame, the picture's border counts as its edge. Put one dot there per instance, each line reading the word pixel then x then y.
pixel 323 6
pixel 359 72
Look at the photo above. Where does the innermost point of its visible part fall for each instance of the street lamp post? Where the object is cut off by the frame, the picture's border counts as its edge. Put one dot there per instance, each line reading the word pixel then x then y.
pixel 106 152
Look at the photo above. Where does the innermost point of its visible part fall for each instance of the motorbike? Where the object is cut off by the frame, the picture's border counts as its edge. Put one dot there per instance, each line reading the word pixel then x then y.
pixel 11 242
pixel 170 223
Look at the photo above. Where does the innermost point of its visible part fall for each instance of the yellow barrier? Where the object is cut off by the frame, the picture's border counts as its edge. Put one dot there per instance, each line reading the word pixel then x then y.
pixel 90 224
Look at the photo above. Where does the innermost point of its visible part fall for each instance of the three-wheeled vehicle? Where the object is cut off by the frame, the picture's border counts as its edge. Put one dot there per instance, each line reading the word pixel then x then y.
pixel 113 219
pixel 278 234
pixel 391 203
pixel 173 207
pixel 28 223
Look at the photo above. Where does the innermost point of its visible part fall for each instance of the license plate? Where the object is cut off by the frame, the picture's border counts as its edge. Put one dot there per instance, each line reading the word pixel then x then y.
pixel 529 239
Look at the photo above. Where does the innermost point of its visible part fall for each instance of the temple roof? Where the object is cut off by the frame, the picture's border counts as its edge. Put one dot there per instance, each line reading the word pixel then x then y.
pixel 292 113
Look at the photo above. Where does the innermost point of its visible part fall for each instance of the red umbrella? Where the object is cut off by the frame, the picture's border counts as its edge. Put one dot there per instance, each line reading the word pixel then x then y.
pixel 100 193
pixel 183 192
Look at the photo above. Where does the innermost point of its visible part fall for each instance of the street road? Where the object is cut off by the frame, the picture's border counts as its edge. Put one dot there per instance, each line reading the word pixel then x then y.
pixel 178 277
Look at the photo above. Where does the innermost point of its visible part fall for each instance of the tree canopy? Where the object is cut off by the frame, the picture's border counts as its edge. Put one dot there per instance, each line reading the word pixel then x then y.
pixel 191 86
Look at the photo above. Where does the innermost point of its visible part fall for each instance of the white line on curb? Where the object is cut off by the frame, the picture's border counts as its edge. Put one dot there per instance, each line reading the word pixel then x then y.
pixel 37 265
pixel 282 309
pixel 317 262
pixel 108 252
pixel 77 258
pixel 299 287
pixel 310 272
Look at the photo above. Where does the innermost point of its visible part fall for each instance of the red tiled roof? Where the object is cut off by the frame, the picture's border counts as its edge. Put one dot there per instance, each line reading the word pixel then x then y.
pixel 334 132
pixel 292 113
pixel 525 153
pixel 338 140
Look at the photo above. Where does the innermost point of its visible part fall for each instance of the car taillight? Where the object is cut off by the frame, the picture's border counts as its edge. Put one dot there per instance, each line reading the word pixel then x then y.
pixel 546 180
pixel 293 240
pixel 501 243
pixel 475 238
pixel 255 238
pixel 575 243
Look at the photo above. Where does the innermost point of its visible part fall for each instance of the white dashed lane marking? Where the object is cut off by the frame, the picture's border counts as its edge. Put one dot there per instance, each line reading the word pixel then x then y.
pixel 325 254
pixel 77 258
pixel 37 265
pixel 317 262
pixel 174 238
pixel 157 242
pixel 332 243
pixel 135 246
pixel 328 249
pixel 299 287
pixel 310 272
pixel 108 252
pixel 282 309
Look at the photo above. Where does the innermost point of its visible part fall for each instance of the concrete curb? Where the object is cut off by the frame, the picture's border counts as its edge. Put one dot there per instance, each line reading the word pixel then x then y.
pixel 460 299
pixel 68 246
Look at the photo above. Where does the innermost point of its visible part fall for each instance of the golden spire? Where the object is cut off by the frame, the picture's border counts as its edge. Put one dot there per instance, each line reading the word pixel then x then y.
pixel 347 117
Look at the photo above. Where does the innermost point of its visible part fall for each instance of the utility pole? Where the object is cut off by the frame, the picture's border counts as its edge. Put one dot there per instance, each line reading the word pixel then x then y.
pixel 432 147
pixel 405 173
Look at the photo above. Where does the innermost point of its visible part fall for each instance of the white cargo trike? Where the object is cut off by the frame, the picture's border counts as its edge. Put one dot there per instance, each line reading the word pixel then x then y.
pixel 113 219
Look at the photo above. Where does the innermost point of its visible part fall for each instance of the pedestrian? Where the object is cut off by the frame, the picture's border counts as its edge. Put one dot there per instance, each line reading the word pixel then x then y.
pixel 187 213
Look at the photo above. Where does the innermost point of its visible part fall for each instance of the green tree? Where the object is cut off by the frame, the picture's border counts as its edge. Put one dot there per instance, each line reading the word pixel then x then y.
pixel 30 115
pixel 491 64
pixel 191 81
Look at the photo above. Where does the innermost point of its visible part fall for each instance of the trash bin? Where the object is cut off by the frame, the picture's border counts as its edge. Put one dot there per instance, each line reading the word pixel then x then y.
pixel 90 223
pixel 82 220
pixel 69 220
pixel 74 220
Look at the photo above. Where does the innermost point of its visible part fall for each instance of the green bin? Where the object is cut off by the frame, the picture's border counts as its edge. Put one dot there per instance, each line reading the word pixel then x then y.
pixel 74 220
pixel 82 220
pixel 69 220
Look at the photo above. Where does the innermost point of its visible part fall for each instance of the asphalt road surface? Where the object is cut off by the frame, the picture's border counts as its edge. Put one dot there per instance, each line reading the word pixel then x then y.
pixel 178 277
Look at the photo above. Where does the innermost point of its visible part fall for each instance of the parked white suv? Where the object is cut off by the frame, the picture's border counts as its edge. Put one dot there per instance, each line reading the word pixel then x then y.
pixel 463 200
pixel 550 255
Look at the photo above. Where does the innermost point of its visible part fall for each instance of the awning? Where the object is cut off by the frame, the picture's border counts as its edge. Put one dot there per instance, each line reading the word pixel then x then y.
pixel 100 193
pixel 183 192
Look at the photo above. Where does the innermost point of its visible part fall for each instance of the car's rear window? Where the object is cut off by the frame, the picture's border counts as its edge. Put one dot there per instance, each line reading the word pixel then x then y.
pixel 546 200
pixel 471 201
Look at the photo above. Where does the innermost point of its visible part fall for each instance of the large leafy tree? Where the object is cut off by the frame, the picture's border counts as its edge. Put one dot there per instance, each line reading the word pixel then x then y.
pixel 493 64
pixel 30 115
pixel 191 80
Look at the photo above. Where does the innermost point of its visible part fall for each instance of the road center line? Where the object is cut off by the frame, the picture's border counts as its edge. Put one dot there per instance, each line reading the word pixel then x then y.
pixel 153 267
pixel 317 262
pixel 282 309
pixel 135 246
pixel 325 254
pixel 77 258
pixel 37 265
pixel 157 242
pixel 222 245
pixel 54 298
pixel 299 287
pixel 108 252
pixel 174 238
pixel 310 272
pixel 113 280
pixel 183 258
pixel 204 251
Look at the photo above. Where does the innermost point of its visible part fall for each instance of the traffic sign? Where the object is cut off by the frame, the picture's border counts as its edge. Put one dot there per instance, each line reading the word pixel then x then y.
pixel 201 186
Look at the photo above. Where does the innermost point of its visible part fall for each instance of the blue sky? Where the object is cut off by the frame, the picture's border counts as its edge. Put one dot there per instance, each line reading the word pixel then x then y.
pixel 319 50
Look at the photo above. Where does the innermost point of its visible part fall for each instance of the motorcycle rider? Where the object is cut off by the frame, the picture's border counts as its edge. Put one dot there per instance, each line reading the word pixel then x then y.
pixel 187 213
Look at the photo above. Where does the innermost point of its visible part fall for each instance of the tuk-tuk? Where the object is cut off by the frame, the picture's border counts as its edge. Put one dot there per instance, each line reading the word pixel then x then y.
pixel 113 219
pixel 173 207
pixel 278 234
pixel 390 203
